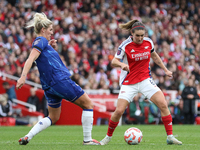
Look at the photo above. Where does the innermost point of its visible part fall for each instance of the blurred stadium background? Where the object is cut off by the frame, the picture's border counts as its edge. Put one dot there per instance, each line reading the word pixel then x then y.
pixel 88 37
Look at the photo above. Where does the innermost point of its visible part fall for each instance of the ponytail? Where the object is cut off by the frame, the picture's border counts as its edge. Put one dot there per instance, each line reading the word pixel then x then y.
pixel 39 21
pixel 132 26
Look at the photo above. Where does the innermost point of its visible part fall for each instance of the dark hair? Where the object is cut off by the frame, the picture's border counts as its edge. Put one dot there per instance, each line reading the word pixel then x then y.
pixel 132 25
pixel 5 83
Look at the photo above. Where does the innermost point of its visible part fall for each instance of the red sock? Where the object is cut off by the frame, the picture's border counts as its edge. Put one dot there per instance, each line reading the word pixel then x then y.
pixel 111 127
pixel 167 121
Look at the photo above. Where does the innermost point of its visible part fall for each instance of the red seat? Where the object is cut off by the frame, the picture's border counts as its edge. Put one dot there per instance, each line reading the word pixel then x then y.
pixel 110 106
pixel 197 119
pixel 146 114
pixel 7 121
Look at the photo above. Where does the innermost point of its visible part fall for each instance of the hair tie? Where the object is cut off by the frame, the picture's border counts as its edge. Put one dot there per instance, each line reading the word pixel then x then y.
pixel 138 26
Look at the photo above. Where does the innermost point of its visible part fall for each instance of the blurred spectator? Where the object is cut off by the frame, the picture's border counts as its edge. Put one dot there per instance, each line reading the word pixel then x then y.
pixel 189 95
pixel 154 115
pixel 10 90
pixel 136 109
pixel 33 99
pixel 101 75
pixel 114 88
pixel 7 111
pixel 5 106
pixel 176 110
pixel 18 71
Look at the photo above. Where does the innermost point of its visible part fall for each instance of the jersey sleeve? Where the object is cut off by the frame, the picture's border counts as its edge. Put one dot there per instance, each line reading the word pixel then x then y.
pixel 152 45
pixel 120 52
pixel 40 44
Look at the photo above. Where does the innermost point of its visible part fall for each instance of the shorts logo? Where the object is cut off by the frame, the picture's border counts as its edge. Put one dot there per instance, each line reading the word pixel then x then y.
pixel 123 91
pixel 152 82
pixel 118 52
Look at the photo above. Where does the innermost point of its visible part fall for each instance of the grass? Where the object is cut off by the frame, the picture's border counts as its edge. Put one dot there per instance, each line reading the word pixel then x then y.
pixel 70 138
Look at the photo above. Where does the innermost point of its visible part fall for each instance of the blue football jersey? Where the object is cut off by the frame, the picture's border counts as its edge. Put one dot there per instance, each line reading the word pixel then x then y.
pixel 50 66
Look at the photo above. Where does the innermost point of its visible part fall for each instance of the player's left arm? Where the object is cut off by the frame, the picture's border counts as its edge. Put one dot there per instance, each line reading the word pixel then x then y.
pixel 159 62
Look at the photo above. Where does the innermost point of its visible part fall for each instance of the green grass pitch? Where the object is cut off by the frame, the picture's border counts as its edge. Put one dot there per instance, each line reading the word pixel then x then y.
pixel 70 138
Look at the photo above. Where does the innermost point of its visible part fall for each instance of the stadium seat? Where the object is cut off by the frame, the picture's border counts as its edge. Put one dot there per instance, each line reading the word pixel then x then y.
pixel 7 121
pixel 110 106
pixel 197 119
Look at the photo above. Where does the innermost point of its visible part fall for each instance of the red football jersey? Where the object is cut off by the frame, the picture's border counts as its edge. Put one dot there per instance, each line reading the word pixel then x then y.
pixel 137 56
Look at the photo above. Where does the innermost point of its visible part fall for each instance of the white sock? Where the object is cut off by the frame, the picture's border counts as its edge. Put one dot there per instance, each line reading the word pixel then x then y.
pixel 87 123
pixel 171 135
pixel 109 136
pixel 41 125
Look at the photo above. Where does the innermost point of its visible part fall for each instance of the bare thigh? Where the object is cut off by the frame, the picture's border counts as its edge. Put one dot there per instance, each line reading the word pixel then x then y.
pixel 159 99
pixel 84 102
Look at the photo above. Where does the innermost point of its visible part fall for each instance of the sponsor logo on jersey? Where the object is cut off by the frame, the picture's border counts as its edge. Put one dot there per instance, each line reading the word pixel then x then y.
pixel 118 52
pixel 140 56
pixel 146 47
pixel 37 41
pixel 132 50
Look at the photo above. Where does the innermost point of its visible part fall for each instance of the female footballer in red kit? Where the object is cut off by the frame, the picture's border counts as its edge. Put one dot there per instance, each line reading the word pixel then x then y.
pixel 135 53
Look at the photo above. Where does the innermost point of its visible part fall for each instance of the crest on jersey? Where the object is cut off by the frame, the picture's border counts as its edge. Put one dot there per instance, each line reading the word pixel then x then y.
pixel 146 47
pixel 36 41
pixel 118 52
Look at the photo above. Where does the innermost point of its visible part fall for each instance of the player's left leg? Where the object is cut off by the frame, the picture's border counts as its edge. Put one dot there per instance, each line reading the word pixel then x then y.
pixel 114 120
pixel 159 99
pixel 152 92
pixel 87 119
pixel 54 114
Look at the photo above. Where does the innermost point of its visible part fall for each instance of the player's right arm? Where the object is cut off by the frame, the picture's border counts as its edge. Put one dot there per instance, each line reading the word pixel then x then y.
pixel 32 57
pixel 117 63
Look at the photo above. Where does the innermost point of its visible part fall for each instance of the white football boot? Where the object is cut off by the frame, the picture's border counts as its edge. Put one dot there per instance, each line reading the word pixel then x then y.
pixel 106 140
pixel 172 140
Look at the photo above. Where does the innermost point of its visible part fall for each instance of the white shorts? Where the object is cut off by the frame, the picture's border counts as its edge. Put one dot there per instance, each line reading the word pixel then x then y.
pixel 147 87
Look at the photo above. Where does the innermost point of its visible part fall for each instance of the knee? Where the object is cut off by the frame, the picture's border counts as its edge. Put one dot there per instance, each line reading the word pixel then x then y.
pixel 119 112
pixel 88 105
pixel 163 106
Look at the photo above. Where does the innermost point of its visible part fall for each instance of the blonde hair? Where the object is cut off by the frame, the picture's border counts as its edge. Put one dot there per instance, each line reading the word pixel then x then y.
pixel 132 26
pixel 39 21
pixel 3 97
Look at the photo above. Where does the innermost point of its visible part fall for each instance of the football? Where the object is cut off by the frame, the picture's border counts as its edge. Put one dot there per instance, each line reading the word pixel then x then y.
pixel 133 136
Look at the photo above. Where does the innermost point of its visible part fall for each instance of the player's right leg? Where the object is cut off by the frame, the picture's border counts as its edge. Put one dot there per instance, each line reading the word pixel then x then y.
pixel 87 119
pixel 114 120
pixel 54 114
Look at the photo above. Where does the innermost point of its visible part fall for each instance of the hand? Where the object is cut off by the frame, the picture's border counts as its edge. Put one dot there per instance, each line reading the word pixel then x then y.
pixel 125 67
pixel 53 43
pixel 20 83
pixel 169 73
pixel 190 96
pixel 9 114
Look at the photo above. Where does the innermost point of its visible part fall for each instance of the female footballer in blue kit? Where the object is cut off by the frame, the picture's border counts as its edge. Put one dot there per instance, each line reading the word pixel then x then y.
pixel 55 80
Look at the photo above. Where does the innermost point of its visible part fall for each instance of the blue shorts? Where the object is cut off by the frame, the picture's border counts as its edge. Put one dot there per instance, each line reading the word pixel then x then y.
pixel 64 89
